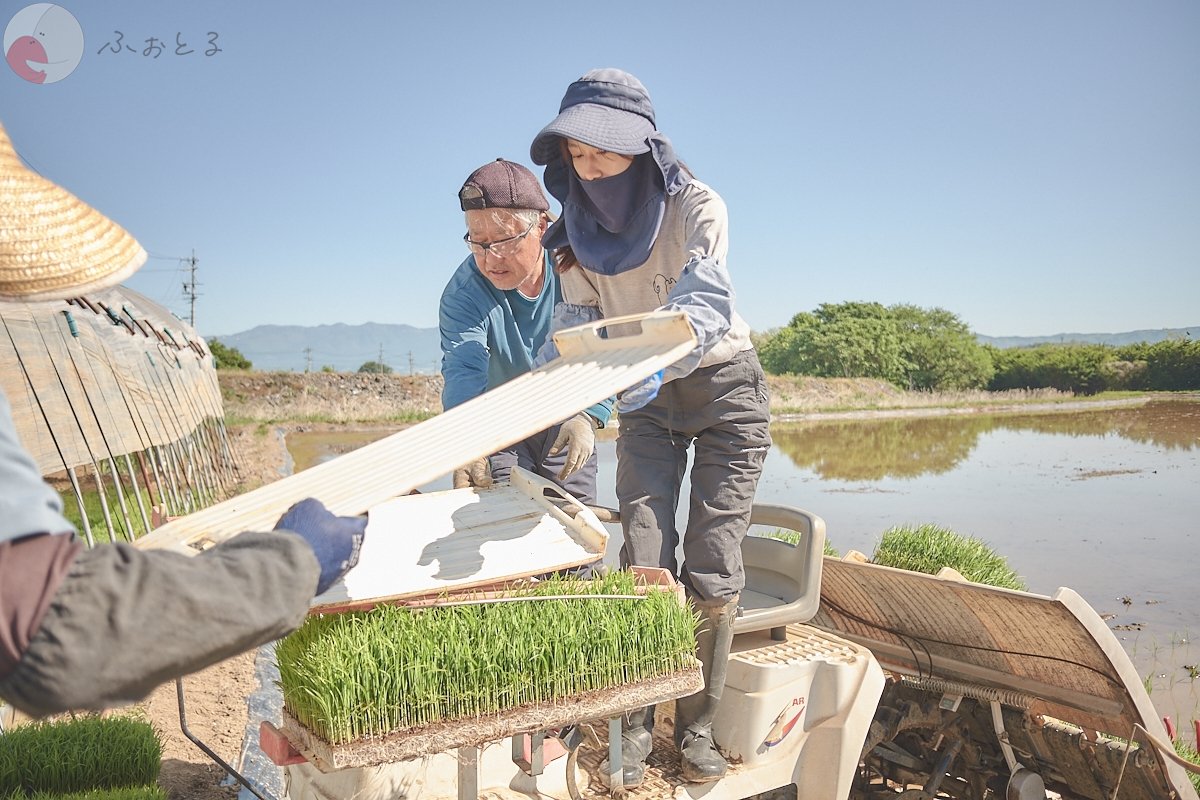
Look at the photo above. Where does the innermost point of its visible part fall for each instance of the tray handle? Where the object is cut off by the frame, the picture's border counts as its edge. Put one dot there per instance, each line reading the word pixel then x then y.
pixel 656 327
pixel 565 507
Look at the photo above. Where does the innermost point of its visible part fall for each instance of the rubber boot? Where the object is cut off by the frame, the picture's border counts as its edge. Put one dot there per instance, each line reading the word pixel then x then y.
pixel 637 739
pixel 699 759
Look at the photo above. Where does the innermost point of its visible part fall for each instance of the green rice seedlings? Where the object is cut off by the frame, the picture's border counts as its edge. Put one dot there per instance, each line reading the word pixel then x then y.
pixel 793 538
pixel 927 548
pixel 349 676
pixel 77 755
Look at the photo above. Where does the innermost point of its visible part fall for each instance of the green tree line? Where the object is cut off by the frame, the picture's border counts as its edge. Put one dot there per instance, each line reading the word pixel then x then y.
pixel 931 349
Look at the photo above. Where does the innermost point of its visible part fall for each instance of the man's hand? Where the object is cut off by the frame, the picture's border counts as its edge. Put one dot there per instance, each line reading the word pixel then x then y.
pixel 478 474
pixel 578 436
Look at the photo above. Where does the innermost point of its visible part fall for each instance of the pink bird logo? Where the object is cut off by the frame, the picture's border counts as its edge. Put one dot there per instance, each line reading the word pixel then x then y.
pixel 23 57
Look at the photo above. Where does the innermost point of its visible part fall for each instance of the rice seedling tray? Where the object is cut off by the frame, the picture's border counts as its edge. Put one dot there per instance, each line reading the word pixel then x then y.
pixel 666 626
pixel 429 545
pixel 440 737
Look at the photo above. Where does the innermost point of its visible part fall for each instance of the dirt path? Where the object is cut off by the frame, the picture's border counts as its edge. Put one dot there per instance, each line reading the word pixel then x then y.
pixel 215 700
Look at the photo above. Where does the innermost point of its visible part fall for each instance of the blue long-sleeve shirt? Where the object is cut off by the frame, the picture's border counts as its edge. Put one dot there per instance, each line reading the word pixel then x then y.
pixel 490 336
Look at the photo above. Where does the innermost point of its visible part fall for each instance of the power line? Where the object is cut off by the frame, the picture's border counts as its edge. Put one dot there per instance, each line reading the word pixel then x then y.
pixel 189 288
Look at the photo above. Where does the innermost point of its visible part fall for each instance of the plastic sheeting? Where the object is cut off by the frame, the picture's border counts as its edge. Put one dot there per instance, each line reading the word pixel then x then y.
pixel 94 380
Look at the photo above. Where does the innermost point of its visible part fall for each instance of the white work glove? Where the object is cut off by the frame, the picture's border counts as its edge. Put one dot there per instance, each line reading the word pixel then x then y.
pixel 578 436
pixel 478 474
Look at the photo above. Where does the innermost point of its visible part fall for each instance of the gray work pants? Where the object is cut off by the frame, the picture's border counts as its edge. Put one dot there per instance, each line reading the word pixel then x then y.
pixel 125 620
pixel 723 411
pixel 533 454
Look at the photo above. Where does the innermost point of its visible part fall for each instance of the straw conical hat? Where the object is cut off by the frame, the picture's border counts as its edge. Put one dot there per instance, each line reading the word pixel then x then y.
pixel 52 244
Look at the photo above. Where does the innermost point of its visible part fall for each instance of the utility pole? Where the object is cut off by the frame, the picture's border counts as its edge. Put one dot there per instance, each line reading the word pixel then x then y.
pixel 189 288
pixel 307 359
pixel 380 359
pixel 410 362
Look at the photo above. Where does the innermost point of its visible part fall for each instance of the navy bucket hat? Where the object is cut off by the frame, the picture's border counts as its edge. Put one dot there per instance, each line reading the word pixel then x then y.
pixel 606 108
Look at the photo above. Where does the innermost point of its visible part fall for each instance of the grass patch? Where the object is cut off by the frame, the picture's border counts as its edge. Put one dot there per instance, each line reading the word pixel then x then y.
pixel 1186 751
pixel 346 676
pixel 79 755
pixel 132 793
pixel 95 511
pixel 331 418
pixel 927 548
pixel 805 395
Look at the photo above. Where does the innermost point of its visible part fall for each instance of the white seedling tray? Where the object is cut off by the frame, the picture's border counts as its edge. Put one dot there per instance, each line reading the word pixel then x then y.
pixel 429 544
pixel 591 368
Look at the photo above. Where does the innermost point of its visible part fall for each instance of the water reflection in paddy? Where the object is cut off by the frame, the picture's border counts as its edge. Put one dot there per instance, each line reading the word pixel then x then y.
pixel 1103 501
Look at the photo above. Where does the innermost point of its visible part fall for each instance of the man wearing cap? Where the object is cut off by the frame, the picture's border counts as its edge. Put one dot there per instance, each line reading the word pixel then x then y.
pixel 90 628
pixel 495 314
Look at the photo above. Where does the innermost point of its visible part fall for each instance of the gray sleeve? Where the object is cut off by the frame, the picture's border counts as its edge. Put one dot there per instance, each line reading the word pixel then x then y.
pixel 705 293
pixel 126 620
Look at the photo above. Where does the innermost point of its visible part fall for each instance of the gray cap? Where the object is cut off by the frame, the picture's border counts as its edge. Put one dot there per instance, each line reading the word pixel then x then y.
pixel 502 184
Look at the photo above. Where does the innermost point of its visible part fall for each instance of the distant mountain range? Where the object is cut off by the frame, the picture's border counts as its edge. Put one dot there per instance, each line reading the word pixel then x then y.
pixel 1114 339
pixel 406 349
pixel 296 348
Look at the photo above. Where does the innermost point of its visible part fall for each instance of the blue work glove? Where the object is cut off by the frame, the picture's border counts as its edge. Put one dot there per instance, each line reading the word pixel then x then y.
pixel 639 394
pixel 335 541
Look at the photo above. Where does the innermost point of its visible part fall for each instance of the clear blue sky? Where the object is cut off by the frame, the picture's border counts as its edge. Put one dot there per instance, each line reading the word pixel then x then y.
pixel 1031 166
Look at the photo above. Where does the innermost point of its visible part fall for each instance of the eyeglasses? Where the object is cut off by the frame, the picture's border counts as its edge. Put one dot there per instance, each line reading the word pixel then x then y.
pixel 501 248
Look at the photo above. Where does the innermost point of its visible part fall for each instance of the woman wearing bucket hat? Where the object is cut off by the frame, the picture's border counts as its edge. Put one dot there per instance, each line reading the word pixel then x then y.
pixel 90 628
pixel 638 232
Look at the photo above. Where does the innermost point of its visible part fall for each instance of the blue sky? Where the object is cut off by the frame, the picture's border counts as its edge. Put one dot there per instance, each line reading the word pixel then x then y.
pixel 1031 166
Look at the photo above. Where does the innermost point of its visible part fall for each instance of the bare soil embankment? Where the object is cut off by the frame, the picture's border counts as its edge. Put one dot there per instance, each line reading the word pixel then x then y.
pixel 333 398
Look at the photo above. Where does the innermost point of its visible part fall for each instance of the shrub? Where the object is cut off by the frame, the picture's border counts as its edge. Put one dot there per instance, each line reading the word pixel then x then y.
pixel 375 368
pixel 928 548
pixel 79 755
pixel 227 357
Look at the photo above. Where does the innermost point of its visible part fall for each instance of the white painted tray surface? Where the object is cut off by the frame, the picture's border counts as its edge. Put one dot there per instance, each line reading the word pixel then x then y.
pixel 429 544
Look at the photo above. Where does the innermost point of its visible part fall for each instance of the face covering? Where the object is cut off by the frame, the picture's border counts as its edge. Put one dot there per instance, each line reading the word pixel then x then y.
pixel 612 223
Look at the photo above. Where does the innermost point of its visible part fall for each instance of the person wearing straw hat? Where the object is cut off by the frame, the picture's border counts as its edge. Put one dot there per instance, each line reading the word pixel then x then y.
pixel 639 232
pixel 92 628
pixel 496 312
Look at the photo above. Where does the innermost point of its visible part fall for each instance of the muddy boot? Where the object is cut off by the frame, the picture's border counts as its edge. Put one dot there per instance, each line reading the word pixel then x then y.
pixel 699 759
pixel 637 738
